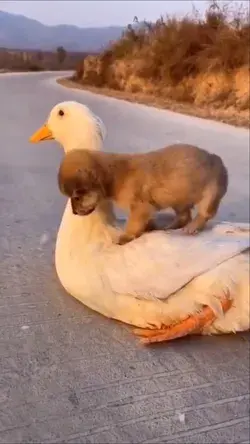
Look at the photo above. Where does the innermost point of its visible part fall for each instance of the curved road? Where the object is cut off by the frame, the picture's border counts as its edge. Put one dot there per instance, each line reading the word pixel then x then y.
pixel 66 373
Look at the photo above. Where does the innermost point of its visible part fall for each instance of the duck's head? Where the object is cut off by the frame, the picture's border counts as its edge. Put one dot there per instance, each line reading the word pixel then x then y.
pixel 73 125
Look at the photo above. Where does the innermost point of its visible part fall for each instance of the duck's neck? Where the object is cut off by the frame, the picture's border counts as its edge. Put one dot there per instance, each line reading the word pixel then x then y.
pixel 91 141
pixel 97 228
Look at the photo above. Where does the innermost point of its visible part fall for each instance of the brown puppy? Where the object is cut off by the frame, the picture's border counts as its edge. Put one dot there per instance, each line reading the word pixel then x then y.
pixel 179 176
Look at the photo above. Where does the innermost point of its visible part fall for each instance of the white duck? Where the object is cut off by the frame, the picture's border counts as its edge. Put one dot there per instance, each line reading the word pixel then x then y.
pixel 169 285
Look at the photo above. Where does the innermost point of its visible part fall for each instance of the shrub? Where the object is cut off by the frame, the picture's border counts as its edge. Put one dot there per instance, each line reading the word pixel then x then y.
pixel 173 56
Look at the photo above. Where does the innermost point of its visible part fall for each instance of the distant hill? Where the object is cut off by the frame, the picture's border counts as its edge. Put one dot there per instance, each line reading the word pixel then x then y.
pixel 18 31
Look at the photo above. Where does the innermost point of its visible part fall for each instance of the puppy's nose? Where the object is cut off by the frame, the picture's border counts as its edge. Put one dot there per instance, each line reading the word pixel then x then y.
pixel 73 208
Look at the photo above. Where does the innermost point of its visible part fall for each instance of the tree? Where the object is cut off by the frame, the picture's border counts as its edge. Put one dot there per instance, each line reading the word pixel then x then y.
pixel 39 56
pixel 61 54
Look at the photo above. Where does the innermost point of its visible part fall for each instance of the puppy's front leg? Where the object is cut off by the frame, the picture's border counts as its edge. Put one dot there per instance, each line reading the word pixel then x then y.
pixel 137 223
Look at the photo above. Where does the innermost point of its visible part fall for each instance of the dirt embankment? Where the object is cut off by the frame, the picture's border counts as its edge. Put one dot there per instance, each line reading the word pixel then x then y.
pixel 198 66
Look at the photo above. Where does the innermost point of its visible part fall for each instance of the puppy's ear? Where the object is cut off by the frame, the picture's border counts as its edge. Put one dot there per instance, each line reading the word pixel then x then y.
pixel 69 183
pixel 61 179
pixel 95 176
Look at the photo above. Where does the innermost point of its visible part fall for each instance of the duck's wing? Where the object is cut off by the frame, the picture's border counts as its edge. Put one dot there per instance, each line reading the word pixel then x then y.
pixel 160 263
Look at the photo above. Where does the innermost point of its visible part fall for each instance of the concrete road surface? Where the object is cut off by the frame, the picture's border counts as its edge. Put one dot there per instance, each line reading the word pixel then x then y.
pixel 66 373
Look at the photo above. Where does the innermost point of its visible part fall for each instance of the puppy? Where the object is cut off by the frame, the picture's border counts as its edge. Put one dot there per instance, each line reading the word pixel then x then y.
pixel 178 176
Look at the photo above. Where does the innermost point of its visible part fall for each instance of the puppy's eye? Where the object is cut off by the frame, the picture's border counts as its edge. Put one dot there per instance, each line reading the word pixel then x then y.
pixel 77 199
pixel 61 112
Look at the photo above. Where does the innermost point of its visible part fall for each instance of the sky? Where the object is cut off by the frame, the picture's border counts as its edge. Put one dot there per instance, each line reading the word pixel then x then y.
pixel 98 13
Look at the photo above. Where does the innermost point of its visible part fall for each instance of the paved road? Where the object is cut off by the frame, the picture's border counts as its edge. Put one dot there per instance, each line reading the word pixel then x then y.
pixel 66 373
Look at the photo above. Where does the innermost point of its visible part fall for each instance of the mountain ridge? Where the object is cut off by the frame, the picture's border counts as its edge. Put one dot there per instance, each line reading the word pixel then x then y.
pixel 19 31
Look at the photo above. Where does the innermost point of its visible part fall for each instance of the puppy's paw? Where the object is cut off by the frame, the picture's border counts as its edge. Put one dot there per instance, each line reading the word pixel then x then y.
pixel 124 239
pixel 191 228
pixel 151 226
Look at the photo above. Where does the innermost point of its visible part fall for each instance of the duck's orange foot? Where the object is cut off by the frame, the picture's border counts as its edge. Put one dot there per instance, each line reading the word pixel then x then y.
pixel 193 324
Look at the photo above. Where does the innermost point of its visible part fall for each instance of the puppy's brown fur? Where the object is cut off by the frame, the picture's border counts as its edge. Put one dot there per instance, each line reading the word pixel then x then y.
pixel 179 176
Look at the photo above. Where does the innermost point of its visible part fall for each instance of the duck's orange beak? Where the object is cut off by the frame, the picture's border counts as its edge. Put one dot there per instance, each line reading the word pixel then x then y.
pixel 41 134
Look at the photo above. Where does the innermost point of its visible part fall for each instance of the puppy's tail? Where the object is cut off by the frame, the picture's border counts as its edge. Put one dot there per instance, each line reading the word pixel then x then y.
pixel 220 173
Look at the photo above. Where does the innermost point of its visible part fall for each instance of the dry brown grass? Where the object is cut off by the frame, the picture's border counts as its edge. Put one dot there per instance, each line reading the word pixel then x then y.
pixel 198 61
pixel 227 115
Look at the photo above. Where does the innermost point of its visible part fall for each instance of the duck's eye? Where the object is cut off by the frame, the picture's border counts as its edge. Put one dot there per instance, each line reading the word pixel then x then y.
pixel 61 112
